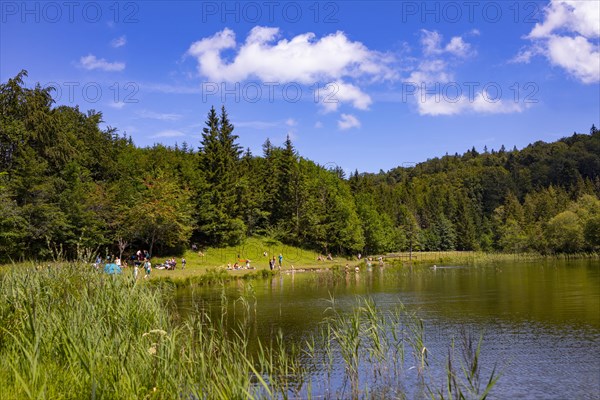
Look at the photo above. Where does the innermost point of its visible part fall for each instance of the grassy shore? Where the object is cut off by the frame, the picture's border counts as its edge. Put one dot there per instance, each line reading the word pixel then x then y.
pixel 209 265
pixel 212 262
pixel 69 332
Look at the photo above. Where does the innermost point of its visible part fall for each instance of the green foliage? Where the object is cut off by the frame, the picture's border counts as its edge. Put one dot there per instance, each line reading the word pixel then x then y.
pixel 69 188
pixel 69 332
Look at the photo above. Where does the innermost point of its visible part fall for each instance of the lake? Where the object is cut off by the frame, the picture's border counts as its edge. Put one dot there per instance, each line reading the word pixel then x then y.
pixel 540 320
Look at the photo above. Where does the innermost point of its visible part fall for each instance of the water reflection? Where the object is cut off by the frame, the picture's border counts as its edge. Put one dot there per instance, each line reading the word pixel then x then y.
pixel 540 320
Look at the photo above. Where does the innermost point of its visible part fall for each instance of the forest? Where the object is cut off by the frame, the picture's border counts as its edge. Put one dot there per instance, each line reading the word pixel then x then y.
pixel 69 188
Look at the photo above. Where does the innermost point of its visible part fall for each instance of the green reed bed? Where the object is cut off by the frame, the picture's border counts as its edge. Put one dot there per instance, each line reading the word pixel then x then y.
pixel 478 257
pixel 68 332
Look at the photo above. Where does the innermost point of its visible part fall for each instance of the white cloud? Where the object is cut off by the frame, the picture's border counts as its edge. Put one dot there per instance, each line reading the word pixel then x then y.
pixel 118 105
pixel 431 71
pixel 432 44
pixel 302 59
pixel 577 55
pixel 169 133
pixel 525 55
pixel 481 102
pixel 568 37
pixel 90 62
pixel 433 88
pixel 581 17
pixel 335 93
pixel 291 122
pixel 348 121
pixel 458 46
pixel 159 116
pixel 119 42
pixel 318 125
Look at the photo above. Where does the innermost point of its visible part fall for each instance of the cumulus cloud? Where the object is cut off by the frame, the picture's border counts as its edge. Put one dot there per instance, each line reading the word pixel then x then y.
pixel 432 84
pixel 303 59
pixel 577 55
pixel 431 71
pixel 432 44
pixel 90 62
pixel 434 67
pixel 338 92
pixel 568 37
pixel 581 17
pixel 348 121
pixel 119 42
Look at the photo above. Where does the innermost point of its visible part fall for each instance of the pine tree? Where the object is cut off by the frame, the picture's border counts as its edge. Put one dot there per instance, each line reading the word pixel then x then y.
pixel 220 212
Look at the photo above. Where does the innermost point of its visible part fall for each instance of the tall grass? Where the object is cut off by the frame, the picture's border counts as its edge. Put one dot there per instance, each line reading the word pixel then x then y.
pixel 68 332
pixel 478 257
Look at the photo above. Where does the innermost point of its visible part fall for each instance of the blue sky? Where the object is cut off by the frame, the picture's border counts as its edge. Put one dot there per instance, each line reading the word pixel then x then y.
pixel 362 85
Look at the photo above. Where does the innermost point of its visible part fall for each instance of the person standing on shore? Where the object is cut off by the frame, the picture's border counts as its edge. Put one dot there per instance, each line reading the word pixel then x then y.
pixel 148 268
pixel 280 260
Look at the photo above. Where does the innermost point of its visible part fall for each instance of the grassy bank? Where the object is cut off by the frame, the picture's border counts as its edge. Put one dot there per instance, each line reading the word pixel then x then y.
pixel 68 332
pixel 476 257
pixel 212 262
pixel 209 265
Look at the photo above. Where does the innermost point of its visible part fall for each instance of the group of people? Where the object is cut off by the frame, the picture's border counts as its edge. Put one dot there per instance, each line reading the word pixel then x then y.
pixel 245 263
pixel 272 261
pixel 171 264
pixel 321 258
pixel 114 265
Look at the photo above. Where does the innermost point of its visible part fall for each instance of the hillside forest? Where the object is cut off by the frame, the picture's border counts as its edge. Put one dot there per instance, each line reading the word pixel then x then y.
pixel 70 188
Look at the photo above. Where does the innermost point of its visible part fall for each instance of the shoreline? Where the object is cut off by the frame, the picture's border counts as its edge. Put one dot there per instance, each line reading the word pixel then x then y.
pixel 199 274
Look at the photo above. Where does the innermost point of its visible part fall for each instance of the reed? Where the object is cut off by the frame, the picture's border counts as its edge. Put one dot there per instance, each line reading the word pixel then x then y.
pixel 68 332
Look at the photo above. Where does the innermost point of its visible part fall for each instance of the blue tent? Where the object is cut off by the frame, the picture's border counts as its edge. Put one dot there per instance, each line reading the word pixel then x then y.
pixel 112 269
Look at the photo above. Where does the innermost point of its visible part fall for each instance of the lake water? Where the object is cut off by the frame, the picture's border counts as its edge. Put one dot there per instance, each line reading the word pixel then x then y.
pixel 540 320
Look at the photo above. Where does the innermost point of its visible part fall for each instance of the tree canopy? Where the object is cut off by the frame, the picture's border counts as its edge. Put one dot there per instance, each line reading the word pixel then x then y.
pixel 67 185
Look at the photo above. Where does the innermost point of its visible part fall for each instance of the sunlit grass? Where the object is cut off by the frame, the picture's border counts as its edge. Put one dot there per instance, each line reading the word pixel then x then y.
pixel 69 332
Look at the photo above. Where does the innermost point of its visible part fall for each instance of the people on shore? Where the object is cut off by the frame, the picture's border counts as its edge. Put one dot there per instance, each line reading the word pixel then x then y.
pixel 147 268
